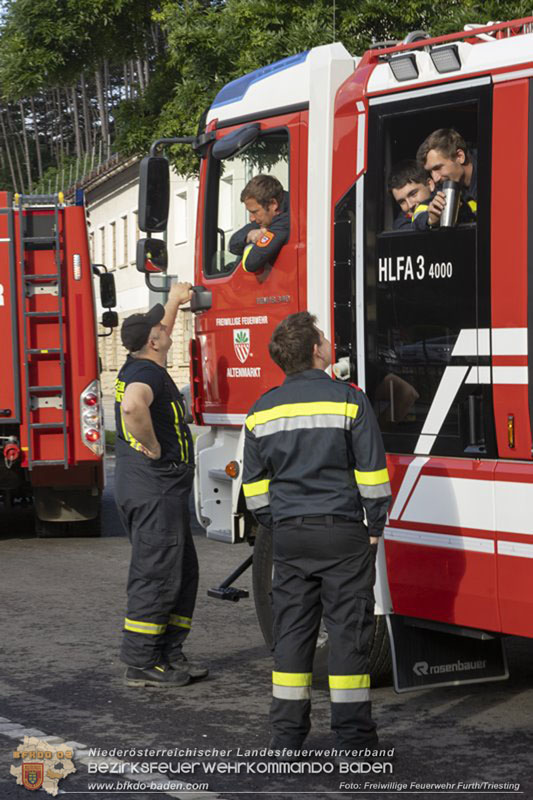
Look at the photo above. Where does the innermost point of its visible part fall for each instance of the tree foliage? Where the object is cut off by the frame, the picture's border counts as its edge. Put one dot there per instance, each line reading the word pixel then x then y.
pixel 120 73
pixel 211 42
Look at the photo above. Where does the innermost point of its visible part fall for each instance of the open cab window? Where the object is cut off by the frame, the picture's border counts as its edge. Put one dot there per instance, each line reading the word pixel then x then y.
pixel 268 154
pixel 427 292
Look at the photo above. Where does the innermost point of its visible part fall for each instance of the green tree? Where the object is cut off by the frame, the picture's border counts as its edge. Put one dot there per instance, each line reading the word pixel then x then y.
pixel 211 42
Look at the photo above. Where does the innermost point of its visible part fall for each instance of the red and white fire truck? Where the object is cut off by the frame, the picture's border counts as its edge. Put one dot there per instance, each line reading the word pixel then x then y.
pixel 51 431
pixel 447 311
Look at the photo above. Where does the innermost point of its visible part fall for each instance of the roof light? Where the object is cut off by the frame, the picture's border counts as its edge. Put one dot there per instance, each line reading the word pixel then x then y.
pixel 404 68
pixel 445 58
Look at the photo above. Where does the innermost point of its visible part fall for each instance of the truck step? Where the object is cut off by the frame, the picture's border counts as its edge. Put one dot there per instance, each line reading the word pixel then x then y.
pixel 47 240
pixel 48 463
pixel 47 425
pixel 46 388
pixel 54 276
pixel 42 313
pixel 43 351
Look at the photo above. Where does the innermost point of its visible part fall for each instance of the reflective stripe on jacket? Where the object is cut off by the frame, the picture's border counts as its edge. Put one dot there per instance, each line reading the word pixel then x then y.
pixel 313 447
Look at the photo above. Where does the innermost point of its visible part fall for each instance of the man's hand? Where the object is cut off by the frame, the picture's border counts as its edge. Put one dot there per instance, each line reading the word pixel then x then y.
pixel 181 293
pixel 255 234
pixel 436 207
pixel 374 540
pixel 152 454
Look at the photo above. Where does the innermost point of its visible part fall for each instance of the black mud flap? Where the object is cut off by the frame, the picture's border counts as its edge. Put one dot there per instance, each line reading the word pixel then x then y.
pixel 438 656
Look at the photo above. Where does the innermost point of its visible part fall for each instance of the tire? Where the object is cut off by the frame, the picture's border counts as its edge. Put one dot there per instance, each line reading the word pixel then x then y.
pixel 46 529
pixel 380 654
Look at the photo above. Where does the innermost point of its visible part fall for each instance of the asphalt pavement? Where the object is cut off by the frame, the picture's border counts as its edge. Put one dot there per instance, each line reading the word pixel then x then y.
pixel 61 613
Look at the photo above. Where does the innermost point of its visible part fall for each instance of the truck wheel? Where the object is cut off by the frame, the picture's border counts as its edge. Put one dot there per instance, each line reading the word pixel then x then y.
pixel 380 655
pixel 45 529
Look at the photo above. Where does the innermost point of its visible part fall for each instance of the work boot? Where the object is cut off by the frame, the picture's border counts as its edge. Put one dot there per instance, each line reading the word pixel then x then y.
pixel 160 675
pixel 180 662
pixel 285 752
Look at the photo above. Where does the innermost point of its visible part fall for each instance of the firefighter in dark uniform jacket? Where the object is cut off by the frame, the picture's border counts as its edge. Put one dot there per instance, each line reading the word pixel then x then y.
pixel 154 475
pixel 412 188
pixel 446 156
pixel 314 465
pixel 259 242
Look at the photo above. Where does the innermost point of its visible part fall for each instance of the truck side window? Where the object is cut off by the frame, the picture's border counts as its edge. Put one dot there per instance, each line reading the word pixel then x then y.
pixel 226 215
pixel 445 139
pixel 428 290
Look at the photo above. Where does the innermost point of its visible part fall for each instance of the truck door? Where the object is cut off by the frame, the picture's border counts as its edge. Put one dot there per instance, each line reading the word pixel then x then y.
pixel 512 318
pixel 426 366
pixel 233 335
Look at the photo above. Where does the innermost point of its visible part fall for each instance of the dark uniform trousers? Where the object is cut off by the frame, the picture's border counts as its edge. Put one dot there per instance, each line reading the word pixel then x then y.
pixel 153 502
pixel 322 565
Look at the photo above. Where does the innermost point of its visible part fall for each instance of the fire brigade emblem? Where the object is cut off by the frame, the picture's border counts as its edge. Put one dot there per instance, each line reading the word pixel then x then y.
pixel 41 765
pixel 32 775
pixel 265 239
pixel 241 343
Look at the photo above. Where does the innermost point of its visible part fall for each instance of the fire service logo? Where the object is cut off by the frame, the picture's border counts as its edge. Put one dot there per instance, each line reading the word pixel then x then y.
pixel 241 343
pixel 39 764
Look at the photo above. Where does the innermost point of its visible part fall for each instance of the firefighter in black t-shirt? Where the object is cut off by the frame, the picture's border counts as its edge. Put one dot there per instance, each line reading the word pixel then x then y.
pixel 154 476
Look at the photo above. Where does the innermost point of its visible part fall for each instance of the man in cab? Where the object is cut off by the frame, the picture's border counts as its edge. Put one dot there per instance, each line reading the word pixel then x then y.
pixel 259 242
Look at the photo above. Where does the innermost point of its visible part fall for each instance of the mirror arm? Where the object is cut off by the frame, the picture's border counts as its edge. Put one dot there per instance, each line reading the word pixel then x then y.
pixel 105 334
pixel 153 287
pixel 160 143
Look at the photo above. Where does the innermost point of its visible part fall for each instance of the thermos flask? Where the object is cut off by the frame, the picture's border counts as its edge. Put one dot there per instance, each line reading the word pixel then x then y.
pixel 452 194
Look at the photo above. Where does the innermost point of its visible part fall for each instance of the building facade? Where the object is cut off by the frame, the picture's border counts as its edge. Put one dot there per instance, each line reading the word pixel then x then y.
pixel 112 203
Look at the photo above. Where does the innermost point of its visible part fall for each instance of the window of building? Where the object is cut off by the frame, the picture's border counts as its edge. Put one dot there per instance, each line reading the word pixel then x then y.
pixel 225 211
pixel 113 242
pixel 180 217
pixel 134 235
pixel 101 230
pixel 124 255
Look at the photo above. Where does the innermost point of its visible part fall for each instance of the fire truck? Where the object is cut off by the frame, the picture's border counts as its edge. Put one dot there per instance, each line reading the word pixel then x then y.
pixel 445 312
pixel 51 430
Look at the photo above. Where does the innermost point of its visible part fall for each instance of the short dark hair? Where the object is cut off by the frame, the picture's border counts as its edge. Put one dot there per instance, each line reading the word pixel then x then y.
pixel 407 171
pixel 292 343
pixel 447 140
pixel 264 189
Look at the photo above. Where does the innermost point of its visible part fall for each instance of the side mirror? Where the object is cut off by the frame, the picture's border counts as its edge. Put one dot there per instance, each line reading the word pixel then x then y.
pixel 154 194
pixel 108 293
pixel 110 319
pixel 234 143
pixel 152 256
pixel 201 300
